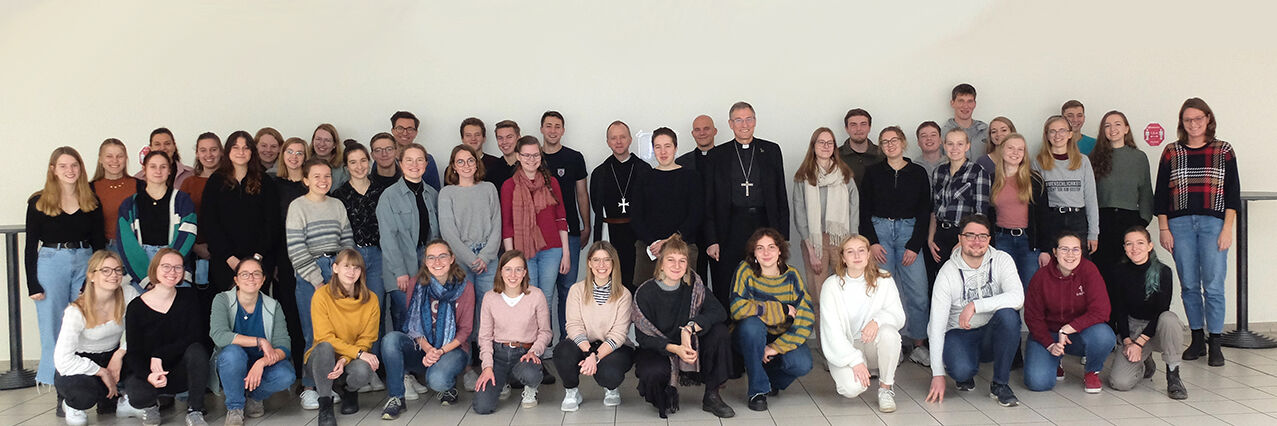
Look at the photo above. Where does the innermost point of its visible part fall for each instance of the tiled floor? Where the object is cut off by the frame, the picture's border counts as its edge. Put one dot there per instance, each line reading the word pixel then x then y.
pixel 1244 392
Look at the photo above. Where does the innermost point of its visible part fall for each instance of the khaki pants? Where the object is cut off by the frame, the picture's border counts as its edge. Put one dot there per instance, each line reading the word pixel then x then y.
pixel 883 353
pixel 1168 339
pixel 814 281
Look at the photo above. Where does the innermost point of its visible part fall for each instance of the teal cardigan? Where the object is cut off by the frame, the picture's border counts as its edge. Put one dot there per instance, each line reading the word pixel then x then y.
pixel 181 235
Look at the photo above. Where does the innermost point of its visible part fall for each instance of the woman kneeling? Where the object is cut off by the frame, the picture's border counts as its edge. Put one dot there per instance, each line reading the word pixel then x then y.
pixel 597 324
pixel 252 342
pixel 1066 309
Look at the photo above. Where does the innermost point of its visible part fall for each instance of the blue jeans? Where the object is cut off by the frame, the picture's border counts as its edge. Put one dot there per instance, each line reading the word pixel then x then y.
pixel 543 271
pixel 304 292
pixel 233 363
pixel 62 273
pixel 564 284
pixel 1026 259
pixel 399 353
pixel 396 301
pixel 996 341
pixel 1095 343
pixel 483 284
pixel 750 338
pixel 911 280
pixel 1202 268
pixel 201 272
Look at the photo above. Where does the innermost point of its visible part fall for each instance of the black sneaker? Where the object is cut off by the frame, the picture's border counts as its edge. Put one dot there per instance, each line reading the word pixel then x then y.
pixel 758 402
pixel 1174 385
pixel 1150 368
pixel 448 397
pixel 394 406
pixel 1003 394
pixel 350 402
pixel 967 385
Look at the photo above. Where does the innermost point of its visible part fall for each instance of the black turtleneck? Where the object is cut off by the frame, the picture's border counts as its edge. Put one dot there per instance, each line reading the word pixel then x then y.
pixel 418 189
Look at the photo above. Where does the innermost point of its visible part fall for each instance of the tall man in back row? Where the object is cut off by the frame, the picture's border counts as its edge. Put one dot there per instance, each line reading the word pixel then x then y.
pixel 703 131
pixel 567 165
pixel 614 188
pixel 744 191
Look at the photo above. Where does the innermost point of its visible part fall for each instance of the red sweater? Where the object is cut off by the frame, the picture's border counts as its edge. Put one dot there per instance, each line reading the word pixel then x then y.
pixel 550 220
pixel 1080 300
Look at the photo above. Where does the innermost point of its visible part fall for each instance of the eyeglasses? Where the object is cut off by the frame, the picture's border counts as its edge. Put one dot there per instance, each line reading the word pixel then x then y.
pixel 383 150
pixel 164 267
pixel 440 258
pixel 975 236
pixel 1069 250
pixel 829 143
pixel 111 271
pixel 402 129
pixel 292 152
pixel 891 141
pixel 257 275
pixel 1195 120
pixel 600 260
pixel 529 156
pixel 465 162
pixel 740 121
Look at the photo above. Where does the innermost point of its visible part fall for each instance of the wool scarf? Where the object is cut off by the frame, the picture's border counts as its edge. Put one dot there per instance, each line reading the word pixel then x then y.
pixel 439 327
pixel 836 204
pixel 530 196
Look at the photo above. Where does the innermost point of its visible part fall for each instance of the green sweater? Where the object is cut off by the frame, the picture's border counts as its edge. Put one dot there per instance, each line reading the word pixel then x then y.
pixel 1129 184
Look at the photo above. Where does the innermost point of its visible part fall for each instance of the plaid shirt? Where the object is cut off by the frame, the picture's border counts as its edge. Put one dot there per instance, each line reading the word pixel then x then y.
pixel 963 193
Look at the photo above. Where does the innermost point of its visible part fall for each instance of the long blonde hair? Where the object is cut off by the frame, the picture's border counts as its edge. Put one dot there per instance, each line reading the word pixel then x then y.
pixel 1023 175
pixel 1045 160
pixel 618 287
pixel 50 202
pixel 100 172
pixel 281 168
pixel 872 273
pixel 88 298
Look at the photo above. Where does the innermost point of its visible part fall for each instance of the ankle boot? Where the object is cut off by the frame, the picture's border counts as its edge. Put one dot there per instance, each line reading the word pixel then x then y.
pixel 349 401
pixel 1216 357
pixel 326 417
pixel 1197 347
pixel 713 403
pixel 1174 386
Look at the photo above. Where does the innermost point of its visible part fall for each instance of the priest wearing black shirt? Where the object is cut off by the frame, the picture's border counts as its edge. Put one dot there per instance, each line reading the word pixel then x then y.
pixel 703 131
pixel 614 187
pixel 744 191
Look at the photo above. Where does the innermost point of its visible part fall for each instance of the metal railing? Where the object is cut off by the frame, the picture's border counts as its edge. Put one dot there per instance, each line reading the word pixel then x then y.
pixel 17 377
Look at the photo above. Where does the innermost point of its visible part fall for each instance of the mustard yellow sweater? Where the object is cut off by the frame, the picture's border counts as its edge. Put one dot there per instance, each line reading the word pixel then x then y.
pixel 347 324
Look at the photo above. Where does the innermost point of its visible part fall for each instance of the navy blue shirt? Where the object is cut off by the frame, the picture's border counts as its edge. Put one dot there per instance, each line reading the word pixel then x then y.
pixel 251 325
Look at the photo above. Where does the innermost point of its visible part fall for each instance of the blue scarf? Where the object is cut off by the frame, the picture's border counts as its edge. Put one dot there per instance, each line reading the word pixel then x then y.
pixel 444 330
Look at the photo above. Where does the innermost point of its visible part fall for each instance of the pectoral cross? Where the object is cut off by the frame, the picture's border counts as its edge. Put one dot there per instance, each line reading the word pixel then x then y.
pixel 623 204
pixel 747 184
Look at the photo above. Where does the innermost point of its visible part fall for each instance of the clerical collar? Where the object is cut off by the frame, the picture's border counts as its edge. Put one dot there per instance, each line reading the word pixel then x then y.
pixel 744 145
pixel 628 156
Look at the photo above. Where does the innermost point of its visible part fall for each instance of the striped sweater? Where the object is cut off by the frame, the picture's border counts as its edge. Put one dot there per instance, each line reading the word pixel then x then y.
pixel 314 229
pixel 769 298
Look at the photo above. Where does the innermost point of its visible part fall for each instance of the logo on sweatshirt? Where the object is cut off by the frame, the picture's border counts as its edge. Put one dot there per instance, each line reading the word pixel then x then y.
pixel 1080 292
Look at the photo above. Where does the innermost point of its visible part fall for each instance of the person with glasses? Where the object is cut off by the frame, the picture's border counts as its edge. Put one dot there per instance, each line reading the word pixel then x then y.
pixel 598 323
pixel 895 207
pixel 252 344
pixel 64 227
pixel 89 353
pixel 384 153
pixel 404 125
pixel 1067 310
pixel 347 318
pixel 669 202
pixel 974 315
pixel 744 191
pixel 1195 217
pixel 513 334
pixel 157 216
pixel 533 219
pixel 826 207
pixel 999 128
pixel 615 187
pixel 858 152
pixel 326 145
pixel 1123 188
pixel 959 188
pixel 435 339
pixel 1142 288
pixel 774 318
pixel 316 229
pixel 164 331
pixel 861 323
pixel 407 218
pixel 1070 188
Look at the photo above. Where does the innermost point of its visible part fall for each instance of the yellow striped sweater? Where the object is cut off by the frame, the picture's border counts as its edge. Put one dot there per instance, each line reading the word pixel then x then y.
pixel 769 298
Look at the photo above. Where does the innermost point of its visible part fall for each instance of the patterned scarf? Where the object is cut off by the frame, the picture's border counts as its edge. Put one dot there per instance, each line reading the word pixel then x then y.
pixel 530 196
pixel 642 325
pixel 835 208
pixel 439 327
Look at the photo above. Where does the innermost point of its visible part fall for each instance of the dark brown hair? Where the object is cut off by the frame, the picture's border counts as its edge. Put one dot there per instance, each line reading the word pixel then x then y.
pixel 498 285
pixel 780 243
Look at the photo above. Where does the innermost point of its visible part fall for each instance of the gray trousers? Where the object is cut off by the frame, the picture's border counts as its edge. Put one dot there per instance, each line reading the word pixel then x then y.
pixel 322 360
pixel 1168 339
pixel 506 368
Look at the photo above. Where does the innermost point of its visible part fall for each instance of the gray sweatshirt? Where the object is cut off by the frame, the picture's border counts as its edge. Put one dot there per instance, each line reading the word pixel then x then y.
pixel 470 216
pixel 992 286
pixel 1073 188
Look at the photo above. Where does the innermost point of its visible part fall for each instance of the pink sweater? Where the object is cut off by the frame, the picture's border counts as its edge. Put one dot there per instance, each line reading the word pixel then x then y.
pixel 595 322
pixel 526 322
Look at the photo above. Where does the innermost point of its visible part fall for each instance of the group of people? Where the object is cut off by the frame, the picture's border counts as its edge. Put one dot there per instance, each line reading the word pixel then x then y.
pixel 276 260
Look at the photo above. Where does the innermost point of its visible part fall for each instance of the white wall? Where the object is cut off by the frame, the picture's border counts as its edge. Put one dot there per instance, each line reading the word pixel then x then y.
pixel 74 73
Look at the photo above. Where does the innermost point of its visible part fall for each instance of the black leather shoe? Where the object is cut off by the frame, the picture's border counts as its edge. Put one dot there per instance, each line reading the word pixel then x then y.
pixel 758 402
pixel 1174 385
pixel 326 417
pixel 1215 358
pixel 349 402
pixel 713 403
pixel 1150 368
pixel 1196 347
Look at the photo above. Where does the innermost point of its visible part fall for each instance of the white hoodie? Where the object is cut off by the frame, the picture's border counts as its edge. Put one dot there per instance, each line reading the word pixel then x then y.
pixel 845 308
pixel 992 286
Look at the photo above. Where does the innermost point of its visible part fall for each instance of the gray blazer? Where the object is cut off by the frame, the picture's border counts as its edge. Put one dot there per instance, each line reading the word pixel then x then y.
pixel 399 224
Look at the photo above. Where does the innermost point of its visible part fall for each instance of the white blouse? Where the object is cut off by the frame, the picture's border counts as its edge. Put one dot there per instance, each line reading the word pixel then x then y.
pixel 75 338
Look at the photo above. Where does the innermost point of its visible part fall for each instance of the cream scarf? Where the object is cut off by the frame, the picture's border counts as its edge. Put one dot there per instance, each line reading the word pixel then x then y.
pixel 836 207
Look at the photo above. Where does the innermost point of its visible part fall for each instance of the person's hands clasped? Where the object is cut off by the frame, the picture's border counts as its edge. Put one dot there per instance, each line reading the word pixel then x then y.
pixel 589 365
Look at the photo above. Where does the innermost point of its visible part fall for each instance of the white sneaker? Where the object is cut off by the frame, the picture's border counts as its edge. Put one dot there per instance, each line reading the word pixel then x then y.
pixel 529 397
pixel 886 400
pixel 377 384
pixel 571 400
pixel 467 381
pixel 409 388
pixel 309 397
pixel 921 356
pixel 421 389
pixel 611 397
pixel 124 409
pixel 505 393
pixel 79 417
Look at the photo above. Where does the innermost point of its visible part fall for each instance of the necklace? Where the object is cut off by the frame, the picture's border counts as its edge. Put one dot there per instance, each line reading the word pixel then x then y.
pixel 623 204
pixel 741 162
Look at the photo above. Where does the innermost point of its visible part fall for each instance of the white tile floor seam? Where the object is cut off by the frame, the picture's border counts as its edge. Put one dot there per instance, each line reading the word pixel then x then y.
pixel 1244 392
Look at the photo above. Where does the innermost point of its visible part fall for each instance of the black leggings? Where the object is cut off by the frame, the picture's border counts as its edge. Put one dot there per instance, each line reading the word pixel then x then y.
pixel 653 367
pixel 611 369
pixel 190 374
pixel 83 391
